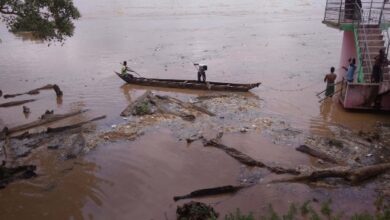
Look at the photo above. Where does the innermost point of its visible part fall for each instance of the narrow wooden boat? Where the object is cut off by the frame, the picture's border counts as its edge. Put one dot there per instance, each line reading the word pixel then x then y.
pixel 188 84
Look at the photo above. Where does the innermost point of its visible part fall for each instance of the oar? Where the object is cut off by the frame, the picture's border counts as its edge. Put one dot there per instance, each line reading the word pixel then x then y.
pixel 130 70
pixel 325 89
pixel 329 96
pixel 195 65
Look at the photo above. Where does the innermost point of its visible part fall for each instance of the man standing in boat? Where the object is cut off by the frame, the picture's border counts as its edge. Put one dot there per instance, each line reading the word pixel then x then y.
pixel 125 70
pixel 201 71
pixel 330 78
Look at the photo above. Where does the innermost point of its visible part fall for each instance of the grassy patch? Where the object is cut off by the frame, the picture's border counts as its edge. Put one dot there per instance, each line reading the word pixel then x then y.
pixel 306 211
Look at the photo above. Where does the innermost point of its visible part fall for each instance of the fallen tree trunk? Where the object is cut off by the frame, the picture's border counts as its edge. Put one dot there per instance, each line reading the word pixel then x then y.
pixel 209 192
pixel 50 130
pixel 247 160
pixel 316 153
pixel 57 90
pixel 46 120
pixel 36 91
pixel 73 126
pixel 353 175
pixel 15 103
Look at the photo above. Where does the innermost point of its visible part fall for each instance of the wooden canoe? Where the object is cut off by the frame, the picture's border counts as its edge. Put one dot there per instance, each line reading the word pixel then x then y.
pixel 188 84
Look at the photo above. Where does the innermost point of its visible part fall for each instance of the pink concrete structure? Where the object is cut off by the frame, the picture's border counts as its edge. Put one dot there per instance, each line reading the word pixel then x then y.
pixel 365 95
pixel 348 50
pixel 365 29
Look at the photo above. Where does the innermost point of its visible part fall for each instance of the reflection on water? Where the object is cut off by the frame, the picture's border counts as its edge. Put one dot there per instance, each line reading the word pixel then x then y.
pixel 61 192
pixel 279 43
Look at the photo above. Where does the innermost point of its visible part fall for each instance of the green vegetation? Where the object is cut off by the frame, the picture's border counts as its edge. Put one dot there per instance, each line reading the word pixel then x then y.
pixel 50 20
pixel 142 109
pixel 308 212
pixel 239 216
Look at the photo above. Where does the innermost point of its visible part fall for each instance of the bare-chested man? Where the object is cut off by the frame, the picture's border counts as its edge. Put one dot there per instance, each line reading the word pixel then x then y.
pixel 330 78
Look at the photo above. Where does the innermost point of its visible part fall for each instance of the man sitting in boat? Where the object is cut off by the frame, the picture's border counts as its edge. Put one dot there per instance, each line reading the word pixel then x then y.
pixel 201 71
pixel 125 70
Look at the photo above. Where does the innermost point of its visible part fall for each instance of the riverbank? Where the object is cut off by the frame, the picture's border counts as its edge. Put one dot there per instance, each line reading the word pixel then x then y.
pixel 178 163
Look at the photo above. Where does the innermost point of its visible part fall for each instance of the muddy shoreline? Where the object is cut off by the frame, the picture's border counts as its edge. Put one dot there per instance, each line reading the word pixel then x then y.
pixel 228 113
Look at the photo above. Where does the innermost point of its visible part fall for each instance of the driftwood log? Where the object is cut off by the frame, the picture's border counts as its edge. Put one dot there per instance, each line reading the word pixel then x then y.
pixel 73 126
pixel 249 161
pixel 15 103
pixel 353 175
pixel 45 120
pixel 316 153
pixel 36 91
pixel 209 192
pixel 50 130
pixel 57 90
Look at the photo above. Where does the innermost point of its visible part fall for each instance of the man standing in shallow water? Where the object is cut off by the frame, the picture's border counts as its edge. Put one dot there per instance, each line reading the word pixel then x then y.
pixel 330 78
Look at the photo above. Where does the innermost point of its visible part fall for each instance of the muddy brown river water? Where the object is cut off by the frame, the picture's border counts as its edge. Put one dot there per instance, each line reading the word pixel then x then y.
pixel 279 43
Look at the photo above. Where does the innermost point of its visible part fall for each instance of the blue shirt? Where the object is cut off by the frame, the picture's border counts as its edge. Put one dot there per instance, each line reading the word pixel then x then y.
pixel 350 72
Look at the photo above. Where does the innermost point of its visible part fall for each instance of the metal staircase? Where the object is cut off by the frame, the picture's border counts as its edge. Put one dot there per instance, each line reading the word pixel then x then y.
pixel 370 41
pixel 370 20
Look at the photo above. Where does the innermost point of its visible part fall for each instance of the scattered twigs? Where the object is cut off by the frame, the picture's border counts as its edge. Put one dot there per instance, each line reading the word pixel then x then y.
pixel 206 97
pixel 247 160
pixel 15 103
pixel 353 175
pixel 210 192
pixel 36 91
pixel 45 120
pixel 149 104
pixel 316 153
pixel 186 105
pixel 162 108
